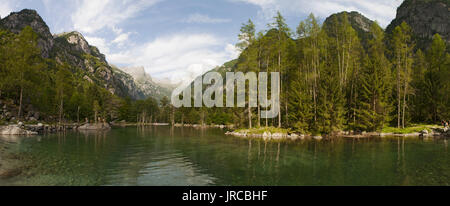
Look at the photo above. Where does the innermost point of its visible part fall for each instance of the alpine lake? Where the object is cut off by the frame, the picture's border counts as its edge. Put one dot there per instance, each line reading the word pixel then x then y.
pixel 178 156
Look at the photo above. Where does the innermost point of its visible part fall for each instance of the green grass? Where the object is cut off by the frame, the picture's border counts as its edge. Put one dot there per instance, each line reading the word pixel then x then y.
pixel 412 129
pixel 261 130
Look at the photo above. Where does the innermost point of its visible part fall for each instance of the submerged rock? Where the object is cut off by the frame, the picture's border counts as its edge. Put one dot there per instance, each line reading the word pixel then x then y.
pixel 95 126
pixel 278 136
pixel 318 137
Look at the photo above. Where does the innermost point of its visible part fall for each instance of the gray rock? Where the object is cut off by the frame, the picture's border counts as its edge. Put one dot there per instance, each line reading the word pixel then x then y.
pixel 277 136
pixel 36 115
pixel 425 18
pixel 93 126
pixel 16 21
pixel 318 137
pixel 15 130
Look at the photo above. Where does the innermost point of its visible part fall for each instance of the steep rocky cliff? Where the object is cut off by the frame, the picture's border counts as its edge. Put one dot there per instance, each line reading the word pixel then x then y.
pixel 72 48
pixel 16 21
pixel 426 18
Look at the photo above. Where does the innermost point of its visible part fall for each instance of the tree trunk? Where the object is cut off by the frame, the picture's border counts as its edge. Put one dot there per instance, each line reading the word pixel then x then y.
pixel 405 82
pixel 315 94
pixel 203 118
pixel 78 115
pixel 173 116
pixel 259 115
pixel 249 116
pixel 279 70
pixel 182 119
pixel 398 93
pixel 286 109
pixel 19 115
pixel 61 108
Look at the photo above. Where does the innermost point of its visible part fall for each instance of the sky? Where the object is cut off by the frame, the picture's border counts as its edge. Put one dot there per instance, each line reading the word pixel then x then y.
pixel 178 40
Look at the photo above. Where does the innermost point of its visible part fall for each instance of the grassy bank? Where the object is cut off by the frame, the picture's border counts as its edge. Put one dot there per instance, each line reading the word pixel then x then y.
pixel 415 128
pixel 411 129
pixel 261 130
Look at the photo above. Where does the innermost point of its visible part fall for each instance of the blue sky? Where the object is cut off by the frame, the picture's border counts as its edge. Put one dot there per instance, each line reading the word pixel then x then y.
pixel 180 39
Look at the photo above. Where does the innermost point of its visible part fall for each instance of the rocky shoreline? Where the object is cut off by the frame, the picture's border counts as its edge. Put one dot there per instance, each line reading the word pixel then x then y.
pixel 35 129
pixel 267 136
pixel 205 126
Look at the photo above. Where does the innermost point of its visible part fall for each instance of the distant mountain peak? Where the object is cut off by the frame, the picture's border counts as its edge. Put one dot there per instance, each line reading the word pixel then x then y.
pixel 137 73
pixel 146 84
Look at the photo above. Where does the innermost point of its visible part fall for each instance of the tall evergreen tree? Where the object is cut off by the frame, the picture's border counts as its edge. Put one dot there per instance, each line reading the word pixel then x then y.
pixel 25 64
pixel 283 36
pixel 374 85
pixel 437 81
pixel 403 48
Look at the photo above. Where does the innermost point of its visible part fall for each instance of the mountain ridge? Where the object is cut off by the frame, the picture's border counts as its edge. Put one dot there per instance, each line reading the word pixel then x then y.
pixel 74 49
pixel 426 18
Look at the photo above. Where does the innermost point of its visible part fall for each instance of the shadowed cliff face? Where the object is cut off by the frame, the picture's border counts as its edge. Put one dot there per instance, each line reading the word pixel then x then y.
pixel 426 18
pixel 16 21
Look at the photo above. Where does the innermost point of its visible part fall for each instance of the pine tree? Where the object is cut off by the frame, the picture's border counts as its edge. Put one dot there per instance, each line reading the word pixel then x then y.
pixel 437 79
pixel 249 56
pixel 25 64
pixel 282 37
pixel 373 85
pixel 419 98
pixel 403 48
pixel 63 89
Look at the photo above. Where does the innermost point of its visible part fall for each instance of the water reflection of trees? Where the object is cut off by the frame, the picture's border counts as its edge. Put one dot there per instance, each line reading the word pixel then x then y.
pixel 141 155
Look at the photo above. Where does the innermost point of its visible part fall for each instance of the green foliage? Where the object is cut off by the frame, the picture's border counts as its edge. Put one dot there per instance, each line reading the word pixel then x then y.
pixel 332 79
pixel 261 130
pixel 414 128
pixel 373 86
pixel 59 91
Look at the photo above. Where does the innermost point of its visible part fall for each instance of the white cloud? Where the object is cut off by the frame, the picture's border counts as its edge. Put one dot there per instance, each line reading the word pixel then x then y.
pixel 100 43
pixel 232 51
pixel 92 16
pixel 201 18
pixel 179 57
pixel 6 7
pixel 121 39
pixel 381 10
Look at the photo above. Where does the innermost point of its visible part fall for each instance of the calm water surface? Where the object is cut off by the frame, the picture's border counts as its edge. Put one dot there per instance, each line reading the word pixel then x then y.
pixel 187 156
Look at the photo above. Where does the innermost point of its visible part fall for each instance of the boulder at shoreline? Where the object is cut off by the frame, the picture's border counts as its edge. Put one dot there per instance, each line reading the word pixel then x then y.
pixel 15 130
pixel 95 126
